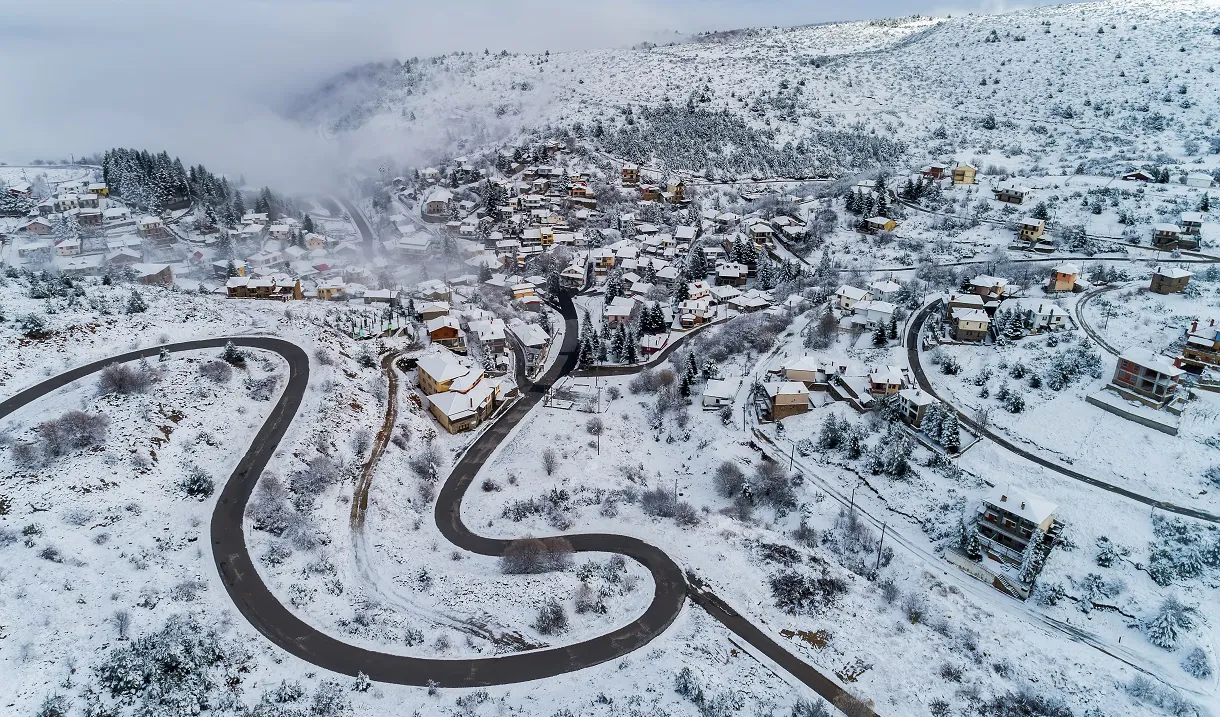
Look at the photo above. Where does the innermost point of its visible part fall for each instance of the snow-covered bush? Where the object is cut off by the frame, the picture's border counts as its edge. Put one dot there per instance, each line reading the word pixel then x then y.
pixel 729 479
pixel 552 618
pixel 126 379
pixel 261 389
pixel 1025 703
pixel 1162 696
pixel 531 556
pixel 427 463
pixel 34 326
pixel 1181 550
pixel 175 670
pixel 197 483
pixel 1171 621
pixel 71 431
pixel 218 371
pixel 1197 664
pixel 799 594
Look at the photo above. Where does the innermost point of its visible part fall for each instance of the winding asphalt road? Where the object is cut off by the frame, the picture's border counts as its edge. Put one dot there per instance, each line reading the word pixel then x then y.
pixel 277 623
pixel 912 343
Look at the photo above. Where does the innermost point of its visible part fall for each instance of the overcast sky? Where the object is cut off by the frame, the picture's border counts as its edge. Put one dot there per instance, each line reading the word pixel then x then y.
pixel 199 78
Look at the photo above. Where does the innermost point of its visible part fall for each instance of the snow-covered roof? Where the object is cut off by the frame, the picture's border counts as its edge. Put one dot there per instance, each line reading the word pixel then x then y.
pixel 723 388
pixel 1021 502
pixel 1157 362
pixel 1171 272
pixel 441 367
pixel 888 375
pixel 917 397
pixel 441 322
pixel 440 195
pixel 1030 222
pixel 489 330
pixel 530 335
pixel 1167 228
pixel 976 315
pixel 1067 269
pixel 785 388
pixel 1192 217
pixel 852 292
pixel 884 287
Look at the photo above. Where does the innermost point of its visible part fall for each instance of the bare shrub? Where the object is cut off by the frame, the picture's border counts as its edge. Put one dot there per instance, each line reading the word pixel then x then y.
pixel 659 502
pixel 853 706
pixel 729 479
pixel 914 608
pixel 71 431
pixel 595 426
pixel 122 623
pixel 686 515
pixel 361 441
pixel 126 379
pixel 217 371
pixel 262 389
pixel 529 556
pixel 552 618
pixel 427 463
pixel 25 454
pixel 318 475
pixel 323 357
pixel 549 461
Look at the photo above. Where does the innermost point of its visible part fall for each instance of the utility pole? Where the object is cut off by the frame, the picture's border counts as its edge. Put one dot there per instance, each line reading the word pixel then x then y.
pixel 792 457
pixel 879 544
pixel 853 499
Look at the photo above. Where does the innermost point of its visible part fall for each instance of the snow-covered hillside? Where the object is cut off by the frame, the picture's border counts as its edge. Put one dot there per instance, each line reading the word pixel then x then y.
pixel 1098 83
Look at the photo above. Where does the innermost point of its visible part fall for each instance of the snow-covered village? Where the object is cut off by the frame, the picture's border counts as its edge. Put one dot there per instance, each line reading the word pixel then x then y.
pixel 850 368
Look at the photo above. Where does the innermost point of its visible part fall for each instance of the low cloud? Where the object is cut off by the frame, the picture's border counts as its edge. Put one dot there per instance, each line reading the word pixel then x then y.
pixel 203 80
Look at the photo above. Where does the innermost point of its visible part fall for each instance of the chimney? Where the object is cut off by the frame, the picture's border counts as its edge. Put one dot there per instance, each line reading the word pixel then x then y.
pixel 1194 326
pixel 1022 505
pixel 1003 499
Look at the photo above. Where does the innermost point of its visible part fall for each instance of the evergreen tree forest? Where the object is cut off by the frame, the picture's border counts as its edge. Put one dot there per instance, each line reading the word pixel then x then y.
pixel 155 182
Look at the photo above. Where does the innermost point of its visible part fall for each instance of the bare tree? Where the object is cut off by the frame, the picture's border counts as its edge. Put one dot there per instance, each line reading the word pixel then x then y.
pixel 549 461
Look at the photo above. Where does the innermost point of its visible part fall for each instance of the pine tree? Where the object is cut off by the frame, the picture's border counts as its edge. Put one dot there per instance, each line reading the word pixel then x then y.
pixel 974 550
pixel 879 335
pixel 950 432
pixel 1172 620
pixel 1041 212
pixel 684 385
pixel 307 224
pixel 484 273
pixel 1205 204
pixel 831 435
pixel 239 206
pixel 681 292
pixel 230 269
pixel 692 367
pixel 135 303
pixel 893 332
pixel 1031 560
pixel 632 353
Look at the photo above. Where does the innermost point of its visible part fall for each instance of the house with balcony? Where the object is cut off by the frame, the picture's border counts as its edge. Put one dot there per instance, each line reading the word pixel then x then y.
pixel 964 173
pixel 1192 223
pixel 846 297
pixel 1151 379
pixel 969 324
pixel 1007 520
pixel 1202 348
pixel 1030 230
pixel 630 175
pixel 913 403
pixel 1167 236
pixel 1012 194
